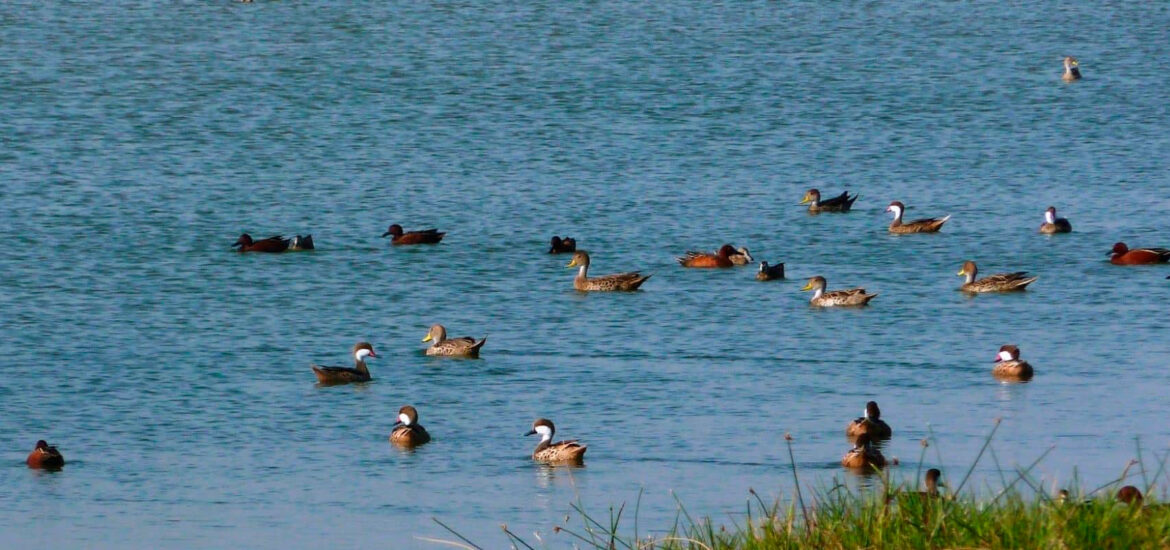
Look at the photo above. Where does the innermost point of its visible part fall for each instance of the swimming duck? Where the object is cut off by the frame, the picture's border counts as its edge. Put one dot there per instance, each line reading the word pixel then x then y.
pixel 850 297
pixel 561 246
pixel 454 347
pixel 559 452
pixel 925 225
pixel 407 431
pixel 770 272
pixel 616 282
pixel 870 424
pixel 932 483
pixel 1123 255
pixel 1071 70
pixel 343 375
pixel 721 258
pixel 1009 366
pixel 271 244
pixel 1000 282
pixel 426 236
pixel 863 455
pixel 741 256
pixel 45 457
pixel 1130 495
pixel 840 203
pixel 1053 224
pixel 300 243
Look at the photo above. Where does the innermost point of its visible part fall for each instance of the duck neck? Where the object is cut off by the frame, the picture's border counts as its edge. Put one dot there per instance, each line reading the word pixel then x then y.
pixel 820 290
pixel 931 486
pixel 897 217
pixel 1049 217
pixel 970 276
pixel 545 442
pixel 583 271
pixel 360 366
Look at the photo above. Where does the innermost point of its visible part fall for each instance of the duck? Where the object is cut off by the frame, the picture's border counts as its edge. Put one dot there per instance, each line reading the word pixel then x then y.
pixel 272 244
pixel 407 431
pixel 453 347
pixel 840 203
pixel 343 375
pixel 616 282
pixel 1053 224
pixel 560 452
pixel 770 272
pixel 850 297
pixel 1008 365
pixel 425 236
pixel 1071 69
pixel 1130 495
pixel 932 483
pixel 721 258
pixel 45 457
pixel 1124 255
pixel 863 455
pixel 1000 282
pixel 300 243
pixel 870 423
pixel 925 225
pixel 562 246
pixel 741 256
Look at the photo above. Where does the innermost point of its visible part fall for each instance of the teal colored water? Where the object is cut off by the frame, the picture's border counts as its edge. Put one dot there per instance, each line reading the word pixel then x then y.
pixel 141 139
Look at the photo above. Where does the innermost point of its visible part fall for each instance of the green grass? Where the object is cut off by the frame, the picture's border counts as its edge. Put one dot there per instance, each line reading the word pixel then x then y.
pixel 1019 514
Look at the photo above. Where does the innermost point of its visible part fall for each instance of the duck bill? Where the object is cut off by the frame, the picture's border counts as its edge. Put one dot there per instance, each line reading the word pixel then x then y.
pixel 427 339
pixel 962 272
pixel 807 199
pixel 386 234
pixel 572 263
pixel 807 287
pixel 530 432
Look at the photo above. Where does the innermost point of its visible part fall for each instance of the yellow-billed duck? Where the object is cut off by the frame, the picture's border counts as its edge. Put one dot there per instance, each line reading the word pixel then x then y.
pixel 1053 224
pixel 560 452
pixel 1072 69
pixel 1000 282
pixel 924 225
pixel 329 376
pixel 451 347
pixel 616 282
pixel 848 297
pixel 407 431
pixel 1008 365
pixel 840 203
pixel 870 423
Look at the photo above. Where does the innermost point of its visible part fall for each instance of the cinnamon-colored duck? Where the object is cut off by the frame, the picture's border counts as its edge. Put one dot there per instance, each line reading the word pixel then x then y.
pixel 721 258
pixel 560 452
pixel 45 457
pixel 562 246
pixel 1124 255
pixel 329 376
pixel 426 236
pixel 1053 224
pixel 863 455
pixel 407 431
pixel 1008 365
pixel 840 203
pixel 271 244
pixel 616 282
pixel 924 225
pixel 870 424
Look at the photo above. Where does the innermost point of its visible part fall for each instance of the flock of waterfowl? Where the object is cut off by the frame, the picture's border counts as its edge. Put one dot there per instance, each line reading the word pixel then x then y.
pixel 865 431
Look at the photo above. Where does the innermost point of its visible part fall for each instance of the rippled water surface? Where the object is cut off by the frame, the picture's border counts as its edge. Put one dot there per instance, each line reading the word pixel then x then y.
pixel 140 139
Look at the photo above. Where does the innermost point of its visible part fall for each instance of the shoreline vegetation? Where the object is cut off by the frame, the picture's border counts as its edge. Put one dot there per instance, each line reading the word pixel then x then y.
pixel 1022 513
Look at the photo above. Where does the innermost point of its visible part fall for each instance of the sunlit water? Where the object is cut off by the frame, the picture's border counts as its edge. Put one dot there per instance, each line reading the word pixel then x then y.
pixel 141 138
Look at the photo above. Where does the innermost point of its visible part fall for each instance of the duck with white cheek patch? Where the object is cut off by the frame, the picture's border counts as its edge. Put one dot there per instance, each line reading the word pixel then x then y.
pixel 407 431
pixel 1008 365
pixel 329 376
pixel 561 452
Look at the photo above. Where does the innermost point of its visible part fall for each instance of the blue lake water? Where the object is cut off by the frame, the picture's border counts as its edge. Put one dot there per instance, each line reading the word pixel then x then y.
pixel 140 139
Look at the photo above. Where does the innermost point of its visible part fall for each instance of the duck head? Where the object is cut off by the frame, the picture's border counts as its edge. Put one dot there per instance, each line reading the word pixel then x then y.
pixel 244 240
pixel 1007 353
pixel 969 270
pixel 743 251
pixel 544 427
pixel 437 333
pixel 812 195
pixel 1118 248
pixel 872 412
pixel 817 283
pixel 580 259
pixel 394 231
pixel 362 350
pixel 897 208
pixel 1050 215
pixel 407 416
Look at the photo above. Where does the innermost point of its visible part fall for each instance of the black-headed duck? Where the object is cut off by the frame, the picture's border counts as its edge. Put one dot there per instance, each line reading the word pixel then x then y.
pixel 770 272
pixel 840 203
pixel 1008 365
pixel 1000 282
pixel 616 282
pixel 1053 224
pixel 870 423
pixel 407 431
pixel 45 457
pixel 451 347
pixel 848 297
pixel 558 245
pixel 300 243
pixel 924 225
pixel 425 236
pixel 560 452
pixel 329 376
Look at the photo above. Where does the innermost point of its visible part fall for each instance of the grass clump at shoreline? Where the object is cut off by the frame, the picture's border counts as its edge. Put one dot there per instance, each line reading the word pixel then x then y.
pixel 1021 514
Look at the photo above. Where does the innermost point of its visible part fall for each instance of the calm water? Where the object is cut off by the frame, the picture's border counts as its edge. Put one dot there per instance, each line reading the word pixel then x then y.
pixel 139 139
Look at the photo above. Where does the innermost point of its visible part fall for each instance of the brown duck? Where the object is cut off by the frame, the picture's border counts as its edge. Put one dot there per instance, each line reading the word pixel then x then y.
pixel 721 258
pixel 559 452
pixel 1072 69
pixel 836 298
pixel 45 457
pixel 616 282
pixel 1053 224
pixel 925 225
pixel 1008 365
pixel 863 455
pixel 328 376
pixel 453 347
pixel 407 431
pixel 425 236
pixel 1000 282
pixel 562 246
pixel 870 424
pixel 271 244
pixel 840 203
